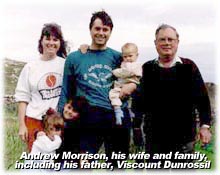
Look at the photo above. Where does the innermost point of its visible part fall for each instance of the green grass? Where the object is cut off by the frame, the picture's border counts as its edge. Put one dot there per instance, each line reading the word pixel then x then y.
pixel 208 150
pixel 13 146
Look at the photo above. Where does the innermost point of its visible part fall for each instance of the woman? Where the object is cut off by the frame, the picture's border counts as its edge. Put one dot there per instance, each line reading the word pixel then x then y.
pixel 39 84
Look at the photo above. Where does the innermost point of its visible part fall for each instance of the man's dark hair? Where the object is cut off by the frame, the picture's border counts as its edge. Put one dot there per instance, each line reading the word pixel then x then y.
pixel 105 18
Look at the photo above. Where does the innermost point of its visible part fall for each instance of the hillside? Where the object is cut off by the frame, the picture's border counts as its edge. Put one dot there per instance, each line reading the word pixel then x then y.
pixel 212 91
pixel 11 73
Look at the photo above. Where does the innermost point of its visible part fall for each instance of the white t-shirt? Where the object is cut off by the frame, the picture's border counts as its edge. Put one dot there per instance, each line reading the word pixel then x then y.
pixel 39 85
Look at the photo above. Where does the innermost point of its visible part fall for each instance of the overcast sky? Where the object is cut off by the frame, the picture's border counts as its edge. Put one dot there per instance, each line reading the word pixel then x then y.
pixel 134 21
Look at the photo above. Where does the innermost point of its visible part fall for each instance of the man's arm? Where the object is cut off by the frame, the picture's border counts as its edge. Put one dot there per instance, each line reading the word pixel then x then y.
pixel 202 104
pixel 69 85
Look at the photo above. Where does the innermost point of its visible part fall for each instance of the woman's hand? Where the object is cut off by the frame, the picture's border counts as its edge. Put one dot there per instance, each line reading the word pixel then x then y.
pixel 23 133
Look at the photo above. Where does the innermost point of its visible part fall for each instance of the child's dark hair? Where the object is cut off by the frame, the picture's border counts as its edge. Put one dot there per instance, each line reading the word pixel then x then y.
pixel 52 119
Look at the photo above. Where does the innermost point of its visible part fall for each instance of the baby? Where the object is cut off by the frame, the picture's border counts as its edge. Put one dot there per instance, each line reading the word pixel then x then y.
pixel 129 72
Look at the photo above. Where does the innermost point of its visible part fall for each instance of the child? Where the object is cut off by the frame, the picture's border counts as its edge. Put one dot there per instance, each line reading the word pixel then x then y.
pixel 71 128
pixel 73 109
pixel 49 140
pixel 130 71
pixel 69 112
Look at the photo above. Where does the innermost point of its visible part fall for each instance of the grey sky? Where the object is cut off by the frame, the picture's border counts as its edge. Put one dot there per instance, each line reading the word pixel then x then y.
pixel 134 21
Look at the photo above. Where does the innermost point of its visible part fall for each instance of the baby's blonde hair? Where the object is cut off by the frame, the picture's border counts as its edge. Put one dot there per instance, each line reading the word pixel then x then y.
pixel 129 46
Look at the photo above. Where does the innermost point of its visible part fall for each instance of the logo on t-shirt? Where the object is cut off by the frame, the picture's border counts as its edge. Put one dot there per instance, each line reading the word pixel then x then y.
pixel 99 76
pixel 50 85
pixel 51 80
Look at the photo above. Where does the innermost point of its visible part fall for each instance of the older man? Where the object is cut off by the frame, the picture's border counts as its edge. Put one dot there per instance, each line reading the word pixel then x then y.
pixel 172 89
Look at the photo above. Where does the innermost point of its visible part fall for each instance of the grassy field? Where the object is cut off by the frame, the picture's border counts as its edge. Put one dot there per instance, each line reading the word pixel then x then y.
pixel 13 146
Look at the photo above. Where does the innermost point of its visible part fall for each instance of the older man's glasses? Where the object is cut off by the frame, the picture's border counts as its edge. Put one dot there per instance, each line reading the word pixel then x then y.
pixel 166 40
